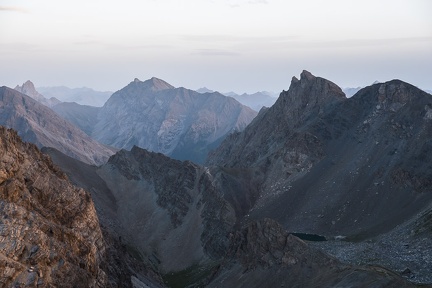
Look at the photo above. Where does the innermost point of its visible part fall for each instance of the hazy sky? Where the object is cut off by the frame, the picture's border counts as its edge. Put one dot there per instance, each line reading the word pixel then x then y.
pixel 225 45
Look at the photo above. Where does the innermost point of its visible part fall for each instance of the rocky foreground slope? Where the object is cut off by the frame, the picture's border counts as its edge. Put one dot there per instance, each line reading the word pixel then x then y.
pixel 50 235
pixel 40 125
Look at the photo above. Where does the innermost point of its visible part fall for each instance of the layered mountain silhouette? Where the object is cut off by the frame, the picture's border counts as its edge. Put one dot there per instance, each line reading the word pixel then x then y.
pixel 40 125
pixel 154 115
pixel 256 101
pixel 82 96
pixel 316 164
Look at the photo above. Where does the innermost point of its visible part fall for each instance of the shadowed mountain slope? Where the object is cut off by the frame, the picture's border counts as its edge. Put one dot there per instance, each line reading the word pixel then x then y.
pixel 176 215
pixel 337 166
pixel 40 125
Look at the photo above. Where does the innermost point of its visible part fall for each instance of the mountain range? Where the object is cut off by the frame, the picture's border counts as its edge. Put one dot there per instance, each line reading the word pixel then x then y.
pixel 82 96
pixel 349 176
pixel 154 115
pixel 38 124
pixel 256 101
pixel 367 156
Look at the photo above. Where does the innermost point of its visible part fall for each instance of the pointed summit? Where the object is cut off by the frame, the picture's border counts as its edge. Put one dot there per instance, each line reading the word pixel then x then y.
pixel 29 89
pixel 306 75
pixel 153 84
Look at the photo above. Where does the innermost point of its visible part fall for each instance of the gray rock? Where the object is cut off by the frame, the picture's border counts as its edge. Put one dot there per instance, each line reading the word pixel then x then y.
pixel 40 125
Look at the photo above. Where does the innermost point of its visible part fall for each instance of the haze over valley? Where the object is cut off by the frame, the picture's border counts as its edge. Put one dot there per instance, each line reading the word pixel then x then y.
pixel 215 147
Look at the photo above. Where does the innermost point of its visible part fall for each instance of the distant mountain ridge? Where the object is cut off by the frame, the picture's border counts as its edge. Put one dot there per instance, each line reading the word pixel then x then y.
pixel 256 101
pixel 83 96
pixel 178 122
pixel 38 124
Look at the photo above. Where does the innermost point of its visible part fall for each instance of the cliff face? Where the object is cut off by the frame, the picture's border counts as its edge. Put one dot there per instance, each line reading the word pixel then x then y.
pixel 50 235
pixel 49 230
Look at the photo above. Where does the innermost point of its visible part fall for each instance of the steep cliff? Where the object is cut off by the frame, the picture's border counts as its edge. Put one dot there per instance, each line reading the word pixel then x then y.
pixel 50 232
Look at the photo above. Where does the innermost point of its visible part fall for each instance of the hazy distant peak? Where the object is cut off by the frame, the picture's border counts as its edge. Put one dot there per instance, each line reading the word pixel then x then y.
pixel 27 88
pixel 153 84
pixel 204 90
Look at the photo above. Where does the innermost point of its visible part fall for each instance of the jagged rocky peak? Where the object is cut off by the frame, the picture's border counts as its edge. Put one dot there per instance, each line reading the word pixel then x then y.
pixel 308 96
pixel 29 89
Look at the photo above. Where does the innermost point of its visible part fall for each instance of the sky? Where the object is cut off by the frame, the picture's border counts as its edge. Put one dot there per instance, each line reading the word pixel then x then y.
pixel 224 45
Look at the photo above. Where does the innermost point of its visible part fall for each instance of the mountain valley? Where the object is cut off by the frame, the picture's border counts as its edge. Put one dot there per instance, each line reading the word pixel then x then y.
pixel 205 192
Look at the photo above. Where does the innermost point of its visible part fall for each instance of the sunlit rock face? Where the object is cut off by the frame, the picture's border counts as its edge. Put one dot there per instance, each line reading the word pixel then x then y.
pixel 49 230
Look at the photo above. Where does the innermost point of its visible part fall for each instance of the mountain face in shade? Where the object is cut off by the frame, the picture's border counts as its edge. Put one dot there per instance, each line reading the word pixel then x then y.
pixel 356 167
pixel 178 122
pixel 169 211
pixel 177 216
pixel 29 89
pixel 50 234
pixel 40 125
pixel 82 116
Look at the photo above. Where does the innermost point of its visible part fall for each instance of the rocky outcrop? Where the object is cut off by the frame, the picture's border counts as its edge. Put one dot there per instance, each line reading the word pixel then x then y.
pixel 178 122
pixel 29 89
pixel 40 125
pixel 49 230
pixel 50 235
pixel 263 254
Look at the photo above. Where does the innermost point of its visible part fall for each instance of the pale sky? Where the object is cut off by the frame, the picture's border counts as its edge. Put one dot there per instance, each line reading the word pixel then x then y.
pixel 224 45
